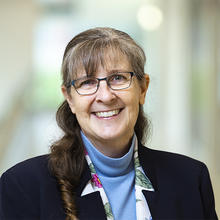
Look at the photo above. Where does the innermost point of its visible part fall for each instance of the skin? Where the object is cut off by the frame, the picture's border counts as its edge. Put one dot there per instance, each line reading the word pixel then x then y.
pixel 110 135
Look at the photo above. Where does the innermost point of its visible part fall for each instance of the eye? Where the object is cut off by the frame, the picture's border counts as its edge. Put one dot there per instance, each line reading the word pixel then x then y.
pixel 86 83
pixel 118 78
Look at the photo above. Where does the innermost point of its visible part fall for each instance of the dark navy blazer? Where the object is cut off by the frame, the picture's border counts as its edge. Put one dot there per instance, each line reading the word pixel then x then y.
pixel 182 190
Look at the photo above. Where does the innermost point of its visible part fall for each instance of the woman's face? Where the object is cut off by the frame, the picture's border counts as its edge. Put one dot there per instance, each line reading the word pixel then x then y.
pixel 108 117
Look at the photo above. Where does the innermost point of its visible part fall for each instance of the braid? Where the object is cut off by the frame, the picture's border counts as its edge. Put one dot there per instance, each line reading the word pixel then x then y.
pixel 67 159
pixel 67 197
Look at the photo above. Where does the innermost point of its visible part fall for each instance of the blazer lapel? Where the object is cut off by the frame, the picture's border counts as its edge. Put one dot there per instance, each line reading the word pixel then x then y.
pixel 90 206
pixel 148 164
pixel 152 198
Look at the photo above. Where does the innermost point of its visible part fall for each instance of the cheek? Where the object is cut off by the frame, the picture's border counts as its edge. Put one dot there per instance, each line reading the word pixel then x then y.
pixel 135 111
pixel 82 107
pixel 133 105
pixel 71 105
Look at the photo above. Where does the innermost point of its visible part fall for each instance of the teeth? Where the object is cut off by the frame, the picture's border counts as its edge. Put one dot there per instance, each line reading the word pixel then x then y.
pixel 107 114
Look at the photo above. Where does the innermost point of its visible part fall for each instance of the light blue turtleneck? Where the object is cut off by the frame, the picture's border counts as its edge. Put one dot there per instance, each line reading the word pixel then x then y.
pixel 117 176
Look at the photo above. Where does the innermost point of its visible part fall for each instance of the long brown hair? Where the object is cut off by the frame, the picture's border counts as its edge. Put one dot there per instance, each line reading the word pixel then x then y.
pixel 88 50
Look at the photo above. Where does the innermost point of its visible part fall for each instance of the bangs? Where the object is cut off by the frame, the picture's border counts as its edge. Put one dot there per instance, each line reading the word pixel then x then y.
pixel 89 56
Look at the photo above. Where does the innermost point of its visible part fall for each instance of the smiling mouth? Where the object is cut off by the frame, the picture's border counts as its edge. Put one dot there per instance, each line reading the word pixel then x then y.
pixel 107 114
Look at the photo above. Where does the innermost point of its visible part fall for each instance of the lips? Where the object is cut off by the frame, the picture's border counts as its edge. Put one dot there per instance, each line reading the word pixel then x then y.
pixel 107 114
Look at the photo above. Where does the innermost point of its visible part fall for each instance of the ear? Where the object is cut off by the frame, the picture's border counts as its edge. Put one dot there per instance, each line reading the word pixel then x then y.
pixel 68 98
pixel 144 88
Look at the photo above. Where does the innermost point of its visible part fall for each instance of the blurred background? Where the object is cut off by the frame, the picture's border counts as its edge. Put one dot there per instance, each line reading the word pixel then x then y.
pixel 181 39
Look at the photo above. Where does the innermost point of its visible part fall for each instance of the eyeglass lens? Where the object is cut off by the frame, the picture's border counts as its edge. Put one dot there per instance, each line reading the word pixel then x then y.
pixel 116 81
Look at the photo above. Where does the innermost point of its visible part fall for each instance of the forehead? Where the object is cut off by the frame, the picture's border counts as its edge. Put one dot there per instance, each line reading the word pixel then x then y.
pixel 108 60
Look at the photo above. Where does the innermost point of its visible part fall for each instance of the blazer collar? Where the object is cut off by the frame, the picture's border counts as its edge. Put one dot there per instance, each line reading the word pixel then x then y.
pixel 148 163
pixel 90 206
pixel 86 176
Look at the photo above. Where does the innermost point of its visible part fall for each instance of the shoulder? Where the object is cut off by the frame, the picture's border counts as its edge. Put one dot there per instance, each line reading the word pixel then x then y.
pixel 176 176
pixel 175 172
pixel 33 169
pixel 172 166
pixel 169 159
pixel 28 190
pixel 30 165
pixel 27 179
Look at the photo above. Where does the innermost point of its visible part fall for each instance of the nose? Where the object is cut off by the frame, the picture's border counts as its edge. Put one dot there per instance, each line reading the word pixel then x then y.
pixel 104 93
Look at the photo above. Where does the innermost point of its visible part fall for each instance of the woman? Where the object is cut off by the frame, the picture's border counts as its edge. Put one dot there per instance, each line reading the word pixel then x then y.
pixel 99 169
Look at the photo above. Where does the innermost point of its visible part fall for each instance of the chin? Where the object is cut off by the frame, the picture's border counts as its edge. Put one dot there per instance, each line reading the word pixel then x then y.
pixel 112 136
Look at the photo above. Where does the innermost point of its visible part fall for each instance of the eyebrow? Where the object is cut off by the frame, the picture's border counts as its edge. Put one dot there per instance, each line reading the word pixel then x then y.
pixel 117 70
pixel 108 72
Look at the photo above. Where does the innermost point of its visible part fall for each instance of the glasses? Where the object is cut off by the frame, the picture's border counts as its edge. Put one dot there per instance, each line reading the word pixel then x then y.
pixel 89 85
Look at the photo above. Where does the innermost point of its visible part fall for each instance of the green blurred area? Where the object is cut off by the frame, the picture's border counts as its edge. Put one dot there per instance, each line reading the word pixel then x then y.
pixel 46 91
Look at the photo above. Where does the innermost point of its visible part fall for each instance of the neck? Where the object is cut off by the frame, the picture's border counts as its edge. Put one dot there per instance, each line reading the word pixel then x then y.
pixel 112 148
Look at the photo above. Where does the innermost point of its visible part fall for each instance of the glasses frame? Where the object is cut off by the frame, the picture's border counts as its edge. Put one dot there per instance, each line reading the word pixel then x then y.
pixel 105 79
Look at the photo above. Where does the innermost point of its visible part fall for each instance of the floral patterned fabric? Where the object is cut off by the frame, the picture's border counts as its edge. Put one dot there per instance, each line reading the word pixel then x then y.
pixel 141 183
